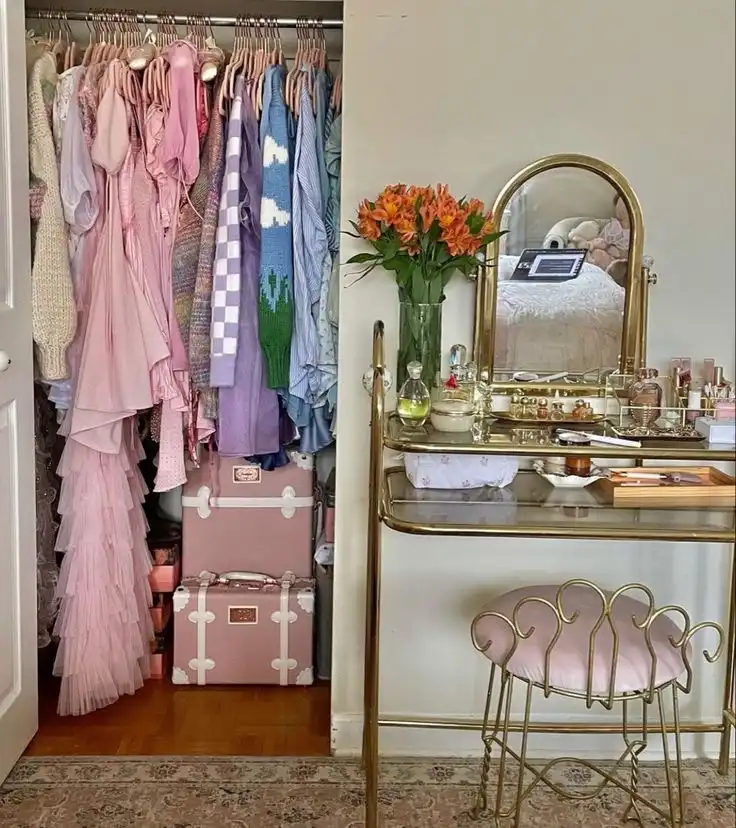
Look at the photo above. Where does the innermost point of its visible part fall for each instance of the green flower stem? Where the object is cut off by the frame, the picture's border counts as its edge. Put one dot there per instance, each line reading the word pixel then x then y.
pixel 420 340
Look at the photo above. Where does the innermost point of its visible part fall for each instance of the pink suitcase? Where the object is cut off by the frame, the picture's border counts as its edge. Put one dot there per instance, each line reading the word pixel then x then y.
pixel 235 516
pixel 243 628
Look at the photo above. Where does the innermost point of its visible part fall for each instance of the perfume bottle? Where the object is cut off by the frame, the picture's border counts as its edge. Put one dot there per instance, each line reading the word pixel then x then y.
pixel 515 405
pixel 413 400
pixel 578 413
pixel 557 412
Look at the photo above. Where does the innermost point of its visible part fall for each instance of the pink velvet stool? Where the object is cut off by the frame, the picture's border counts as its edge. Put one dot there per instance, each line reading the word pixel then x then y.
pixel 579 641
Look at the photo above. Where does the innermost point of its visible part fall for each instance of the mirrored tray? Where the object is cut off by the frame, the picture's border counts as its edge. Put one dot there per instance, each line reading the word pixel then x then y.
pixel 505 417
pixel 664 435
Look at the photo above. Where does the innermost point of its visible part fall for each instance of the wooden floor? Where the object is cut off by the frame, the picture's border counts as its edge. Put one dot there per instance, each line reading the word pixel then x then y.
pixel 162 719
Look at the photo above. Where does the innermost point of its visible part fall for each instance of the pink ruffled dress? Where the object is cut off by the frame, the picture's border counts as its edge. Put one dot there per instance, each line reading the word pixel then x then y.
pixel 104 624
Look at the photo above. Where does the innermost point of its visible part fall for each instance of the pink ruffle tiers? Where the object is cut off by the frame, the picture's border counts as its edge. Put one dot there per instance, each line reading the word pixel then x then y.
pixel 104 625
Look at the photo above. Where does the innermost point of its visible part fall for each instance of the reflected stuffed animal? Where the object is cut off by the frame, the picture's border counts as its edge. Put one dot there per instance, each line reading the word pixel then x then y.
pixel 584 233
pixel 612 245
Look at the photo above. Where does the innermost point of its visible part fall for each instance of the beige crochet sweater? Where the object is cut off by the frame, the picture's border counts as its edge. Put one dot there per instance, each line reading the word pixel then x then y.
pixel 54 311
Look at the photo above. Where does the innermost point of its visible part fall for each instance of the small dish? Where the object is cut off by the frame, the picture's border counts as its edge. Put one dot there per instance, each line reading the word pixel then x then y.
pixel 452 416
pixel 568 481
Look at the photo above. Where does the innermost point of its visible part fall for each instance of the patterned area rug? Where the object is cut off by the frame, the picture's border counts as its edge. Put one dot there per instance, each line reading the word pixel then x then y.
pixel 185 792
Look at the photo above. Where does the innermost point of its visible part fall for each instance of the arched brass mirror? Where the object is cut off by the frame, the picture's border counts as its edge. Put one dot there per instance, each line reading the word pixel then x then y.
pixel 565 291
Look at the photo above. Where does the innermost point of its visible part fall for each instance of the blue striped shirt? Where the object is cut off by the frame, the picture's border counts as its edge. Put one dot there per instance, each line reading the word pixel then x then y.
pixel 311 258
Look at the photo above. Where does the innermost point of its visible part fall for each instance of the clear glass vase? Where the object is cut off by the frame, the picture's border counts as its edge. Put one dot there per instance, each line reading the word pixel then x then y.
pixel 420 340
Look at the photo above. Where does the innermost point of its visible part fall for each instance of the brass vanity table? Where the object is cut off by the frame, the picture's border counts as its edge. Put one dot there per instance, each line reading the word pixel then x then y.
pixel 578 514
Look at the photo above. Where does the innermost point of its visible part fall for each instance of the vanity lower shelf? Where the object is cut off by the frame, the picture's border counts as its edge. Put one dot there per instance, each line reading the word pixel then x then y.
pixel 531 507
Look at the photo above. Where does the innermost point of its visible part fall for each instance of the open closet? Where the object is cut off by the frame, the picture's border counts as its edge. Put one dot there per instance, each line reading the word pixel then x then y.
pixel 184 180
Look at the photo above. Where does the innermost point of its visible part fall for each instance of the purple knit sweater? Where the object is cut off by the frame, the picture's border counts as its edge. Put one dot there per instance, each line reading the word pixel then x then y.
pixel 248 419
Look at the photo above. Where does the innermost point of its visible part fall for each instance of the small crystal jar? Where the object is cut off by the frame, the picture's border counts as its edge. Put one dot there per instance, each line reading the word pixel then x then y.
pixel 542 410
pixel 413 400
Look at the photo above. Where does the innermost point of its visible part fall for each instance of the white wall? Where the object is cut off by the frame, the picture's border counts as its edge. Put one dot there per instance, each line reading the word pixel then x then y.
pixel 467 93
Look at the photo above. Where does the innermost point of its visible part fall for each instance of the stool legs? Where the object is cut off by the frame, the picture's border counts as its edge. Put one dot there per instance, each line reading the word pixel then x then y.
pixel 636 748
pixel 675 798
pixel 496 730
pixel 481 802
pixel 522 756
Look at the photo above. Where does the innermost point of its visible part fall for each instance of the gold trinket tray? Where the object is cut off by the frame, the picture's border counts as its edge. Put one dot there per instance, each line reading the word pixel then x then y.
pixel 715 489
pixel 662 435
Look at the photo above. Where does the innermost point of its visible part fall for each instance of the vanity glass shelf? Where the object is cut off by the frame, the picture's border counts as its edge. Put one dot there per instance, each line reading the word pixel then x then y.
pixel 531 507
pixel 490 436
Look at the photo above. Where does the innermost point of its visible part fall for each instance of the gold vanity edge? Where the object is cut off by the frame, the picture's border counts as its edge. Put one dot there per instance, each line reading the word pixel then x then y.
pixel 681 452
pixel 632 532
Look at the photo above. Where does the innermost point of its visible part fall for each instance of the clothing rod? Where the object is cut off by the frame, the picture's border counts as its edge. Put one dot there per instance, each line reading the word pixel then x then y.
pixel 179 19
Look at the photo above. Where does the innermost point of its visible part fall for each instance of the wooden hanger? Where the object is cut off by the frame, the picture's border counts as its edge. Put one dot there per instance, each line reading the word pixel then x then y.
pixel 92 41
pixel 274 56
pixel 291 75
pixel 211 55
pixel 57 39
pixel 143 49
pixel 336 96
pixel 230 68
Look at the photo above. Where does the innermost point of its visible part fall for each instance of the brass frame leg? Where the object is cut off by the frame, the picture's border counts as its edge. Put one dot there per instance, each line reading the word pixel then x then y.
pixel 373 587
pixel 729 689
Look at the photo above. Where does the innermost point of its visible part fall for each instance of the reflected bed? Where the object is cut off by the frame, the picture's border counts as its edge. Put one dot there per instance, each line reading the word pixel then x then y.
pixel 541 326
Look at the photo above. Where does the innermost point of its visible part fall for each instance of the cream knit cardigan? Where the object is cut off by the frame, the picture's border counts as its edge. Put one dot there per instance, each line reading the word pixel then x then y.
pixel 54 310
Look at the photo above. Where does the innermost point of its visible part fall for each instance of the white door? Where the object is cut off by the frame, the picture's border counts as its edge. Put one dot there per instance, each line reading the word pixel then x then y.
pixel 18 688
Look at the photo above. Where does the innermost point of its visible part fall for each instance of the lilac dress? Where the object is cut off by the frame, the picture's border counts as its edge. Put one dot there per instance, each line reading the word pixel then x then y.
pixel 249 411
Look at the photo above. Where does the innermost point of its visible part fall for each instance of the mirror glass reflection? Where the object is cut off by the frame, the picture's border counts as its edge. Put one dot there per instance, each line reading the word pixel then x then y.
pixel 562 274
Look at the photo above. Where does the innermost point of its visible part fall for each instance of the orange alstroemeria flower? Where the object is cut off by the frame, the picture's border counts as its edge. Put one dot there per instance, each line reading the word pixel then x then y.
pixel 475 205
pixel 447 212
pixel 411 212
pixel 459 240
pixel 405 226
pixel 364 210
pixel 369 228
pixel 428 213
pixel 388 208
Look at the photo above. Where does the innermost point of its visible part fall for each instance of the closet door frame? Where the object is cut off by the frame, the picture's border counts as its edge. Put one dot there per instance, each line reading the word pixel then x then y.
pixel 18 618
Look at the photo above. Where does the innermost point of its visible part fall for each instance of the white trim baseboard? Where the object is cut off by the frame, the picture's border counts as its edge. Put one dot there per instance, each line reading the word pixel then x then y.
pixel 347 730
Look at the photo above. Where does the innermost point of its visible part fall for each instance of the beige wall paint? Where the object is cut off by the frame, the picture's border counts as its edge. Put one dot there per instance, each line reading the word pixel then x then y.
pixel 467 93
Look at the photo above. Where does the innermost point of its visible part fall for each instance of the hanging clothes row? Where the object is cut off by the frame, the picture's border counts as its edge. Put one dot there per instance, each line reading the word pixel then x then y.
pixel 185 257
